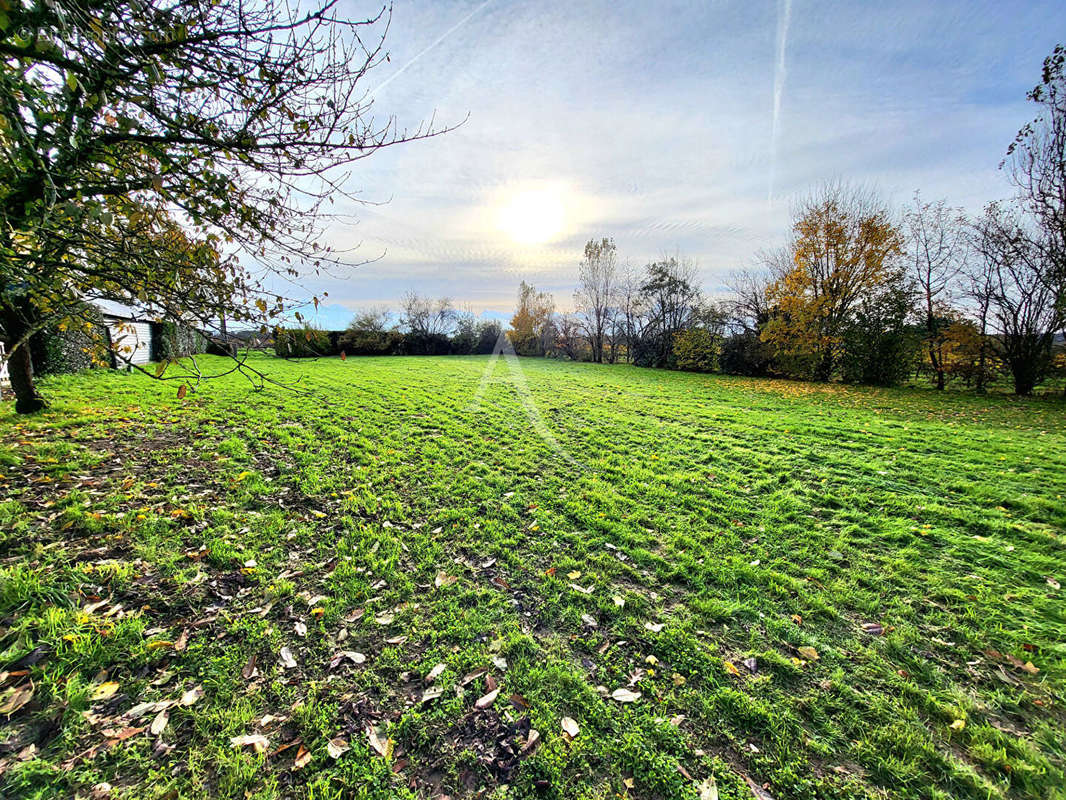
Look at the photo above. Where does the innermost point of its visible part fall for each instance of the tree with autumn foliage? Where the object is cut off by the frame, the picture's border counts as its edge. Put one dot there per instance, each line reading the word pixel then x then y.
pixel 178 157
pixel 532 327
pixel 845 247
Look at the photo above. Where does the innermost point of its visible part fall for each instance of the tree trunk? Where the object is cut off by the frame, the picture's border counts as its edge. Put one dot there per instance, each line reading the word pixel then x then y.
pixel 20 362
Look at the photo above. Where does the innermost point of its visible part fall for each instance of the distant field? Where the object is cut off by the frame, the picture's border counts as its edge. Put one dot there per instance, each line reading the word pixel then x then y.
pixel 804 591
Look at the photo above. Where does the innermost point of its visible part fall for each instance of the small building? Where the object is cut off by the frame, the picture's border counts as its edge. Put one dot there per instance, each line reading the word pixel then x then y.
pixel 131 339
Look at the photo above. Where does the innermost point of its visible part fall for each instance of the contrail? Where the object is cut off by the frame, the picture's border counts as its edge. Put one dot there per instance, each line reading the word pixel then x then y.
pixel 784 18
pixel 427 48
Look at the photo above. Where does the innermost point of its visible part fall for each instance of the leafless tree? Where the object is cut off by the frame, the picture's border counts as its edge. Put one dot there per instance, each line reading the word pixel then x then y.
pixel 936 251
pixel 424 316
pixel 1037 166
pixel 595 298
pixel 1024 308
pixel 374 319
pixel 571 341
pixel 626 321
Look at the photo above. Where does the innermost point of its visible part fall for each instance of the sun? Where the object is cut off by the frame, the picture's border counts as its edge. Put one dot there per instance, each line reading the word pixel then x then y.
pixel 533 216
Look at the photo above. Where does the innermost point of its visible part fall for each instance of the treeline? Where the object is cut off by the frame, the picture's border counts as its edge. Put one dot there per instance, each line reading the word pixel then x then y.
pixel 861 293
pixel 423 327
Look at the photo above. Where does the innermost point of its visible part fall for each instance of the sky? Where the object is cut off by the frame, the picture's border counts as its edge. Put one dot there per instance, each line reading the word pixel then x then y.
pixel 672 127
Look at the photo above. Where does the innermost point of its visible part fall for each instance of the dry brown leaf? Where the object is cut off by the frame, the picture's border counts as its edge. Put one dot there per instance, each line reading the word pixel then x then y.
pixel 435 673
pixel 487 700
pixel 382 746
pixel 337 747
pixel 444 579
pixel 15 698
pixel 191 696
pixel 159 723
pixel 182 641
pixel 256 741
pixel 287 660
pixel 303 758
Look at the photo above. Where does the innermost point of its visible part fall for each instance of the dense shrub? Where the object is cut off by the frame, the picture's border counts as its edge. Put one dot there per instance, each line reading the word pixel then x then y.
pixel 173 340
pixel 426 344
pixel 302 343
pixel 745 354
pixel 696 350
pixel 880 347
pixel 70 346
pixel 370 342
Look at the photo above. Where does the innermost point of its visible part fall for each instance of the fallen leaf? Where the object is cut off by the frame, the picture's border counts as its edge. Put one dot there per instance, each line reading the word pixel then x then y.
pixel 730 668
pixel 256 741
pixel 488 699
pixel 300 628
pixel 757 790
pixel 382 746
pixel 654 627
pixel 103 691
pixel 808 653
pixel 531 741
pixel 337 747
pixel 589 620
pixel 1030 667
pixel 574 574
pixel 159 723
pixel 708 789
pixel 444 579
pixel 1054 584
pixel 351 655
pixel 191 696
pixel 625 695
pixel 678 679
pixel 384 619
pixel 570 727
pixel 303 758
pixel 249 671
pixel 873 628
pixel 287 661
pixel 182 641
pixel 432 693
pixel 751 664
pixel 435 673
pixel 577 588
pixel 958 725
pixel 17 697
pixel 619 601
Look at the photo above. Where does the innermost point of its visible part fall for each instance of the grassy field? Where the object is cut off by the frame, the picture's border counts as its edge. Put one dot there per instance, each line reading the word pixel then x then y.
pixel 736 588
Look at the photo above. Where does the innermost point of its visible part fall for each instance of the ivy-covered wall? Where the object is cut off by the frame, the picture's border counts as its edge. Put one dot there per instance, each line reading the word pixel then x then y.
pixel 70 346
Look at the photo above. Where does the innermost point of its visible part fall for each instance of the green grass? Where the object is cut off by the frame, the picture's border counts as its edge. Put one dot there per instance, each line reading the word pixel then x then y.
pixel 747 518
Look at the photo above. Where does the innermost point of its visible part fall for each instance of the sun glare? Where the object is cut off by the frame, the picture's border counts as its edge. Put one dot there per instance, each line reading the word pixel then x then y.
pixel 533 216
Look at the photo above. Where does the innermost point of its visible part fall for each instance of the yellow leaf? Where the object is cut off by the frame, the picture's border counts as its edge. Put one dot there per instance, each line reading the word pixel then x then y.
pixel 808 653
pixel 103 691
pixel 156 645
pixel 731 668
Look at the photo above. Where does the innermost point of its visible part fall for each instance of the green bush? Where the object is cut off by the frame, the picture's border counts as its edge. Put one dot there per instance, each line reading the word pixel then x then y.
pixel 173 340
pixel 70 345
pixel 697 350
pixel 302 343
